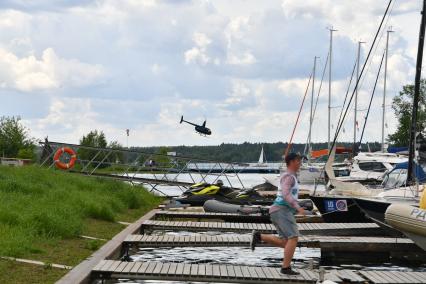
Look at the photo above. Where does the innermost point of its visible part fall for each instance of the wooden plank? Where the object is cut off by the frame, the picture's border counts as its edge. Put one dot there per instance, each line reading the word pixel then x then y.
pixel 252 273
pixel 230 271
pixel 385 277
pixel 223 271
pixel 371 276
pixel 107 265
pixel 202 269
pixel 150 268
pixel 215 270
pixel 238 272
pixel 194 269
pixel 99 265
pixel 179 269
pixel 172 269
pixel 128 267
pixel 165 268
pixel 121 267
pixel 186 269
pixel 259 272
pixel 409 276
pixel 137 266
pixel 209 270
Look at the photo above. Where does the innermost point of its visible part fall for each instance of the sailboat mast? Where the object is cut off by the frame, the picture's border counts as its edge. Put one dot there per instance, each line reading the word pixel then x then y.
pixel 356 96
pixel 410 174
pixel 329 85
pixel 311 117
pixel 384 90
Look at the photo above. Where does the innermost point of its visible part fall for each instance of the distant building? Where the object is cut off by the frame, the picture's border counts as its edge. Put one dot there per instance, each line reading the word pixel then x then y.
pixel 14 162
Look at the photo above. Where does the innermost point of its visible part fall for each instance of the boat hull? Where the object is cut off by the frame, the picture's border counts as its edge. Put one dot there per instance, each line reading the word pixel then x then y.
pixel 373 209
pixel 339 209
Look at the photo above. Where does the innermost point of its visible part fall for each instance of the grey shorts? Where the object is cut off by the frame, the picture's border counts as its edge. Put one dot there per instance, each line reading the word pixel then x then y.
pixel 285 223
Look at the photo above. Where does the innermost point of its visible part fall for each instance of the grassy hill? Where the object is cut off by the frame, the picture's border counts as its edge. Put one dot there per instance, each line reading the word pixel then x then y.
pixel 43 212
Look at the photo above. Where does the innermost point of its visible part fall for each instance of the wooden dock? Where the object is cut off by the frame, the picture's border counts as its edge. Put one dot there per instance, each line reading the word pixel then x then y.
pixel 228 217
pixel 334 240
pixel 112 269
pixel 334 229
pixel 327 242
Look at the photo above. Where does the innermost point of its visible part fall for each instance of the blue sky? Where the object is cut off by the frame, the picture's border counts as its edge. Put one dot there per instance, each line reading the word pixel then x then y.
pixel 67 67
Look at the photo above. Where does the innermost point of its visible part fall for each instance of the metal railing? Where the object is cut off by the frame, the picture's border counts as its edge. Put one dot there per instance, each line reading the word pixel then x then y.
pixel 139 167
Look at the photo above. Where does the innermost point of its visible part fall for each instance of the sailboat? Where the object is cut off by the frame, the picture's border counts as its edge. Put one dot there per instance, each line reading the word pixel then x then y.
pixel 262 159
pixel 407 197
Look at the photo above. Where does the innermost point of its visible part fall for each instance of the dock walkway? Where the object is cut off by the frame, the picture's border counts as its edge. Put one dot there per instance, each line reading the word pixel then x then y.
pixel 327 242
pixel 334 229
pixel 232 217
pixel 112 269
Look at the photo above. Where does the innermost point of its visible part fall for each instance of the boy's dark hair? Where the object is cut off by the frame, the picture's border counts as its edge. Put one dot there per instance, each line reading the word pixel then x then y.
pixel 291 157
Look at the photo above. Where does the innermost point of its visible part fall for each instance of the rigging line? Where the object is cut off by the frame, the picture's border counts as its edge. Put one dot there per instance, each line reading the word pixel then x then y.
pixel 320 86
pixel 380 39
pixel 362 71
pixel 347 92
pixel 316 100
pixel 298 115
pixel 371 99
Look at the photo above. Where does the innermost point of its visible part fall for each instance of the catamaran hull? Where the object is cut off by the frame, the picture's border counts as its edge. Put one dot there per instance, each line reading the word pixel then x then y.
pixel 339 209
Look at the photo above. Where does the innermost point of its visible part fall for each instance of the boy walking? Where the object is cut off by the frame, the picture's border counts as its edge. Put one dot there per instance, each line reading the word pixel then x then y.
pixel 282 214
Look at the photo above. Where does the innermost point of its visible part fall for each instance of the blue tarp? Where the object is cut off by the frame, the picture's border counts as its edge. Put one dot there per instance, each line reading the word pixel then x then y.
pixel 420 174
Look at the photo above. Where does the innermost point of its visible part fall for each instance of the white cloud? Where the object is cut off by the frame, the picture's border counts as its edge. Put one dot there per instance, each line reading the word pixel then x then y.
pixel 49 72
pixel 198 53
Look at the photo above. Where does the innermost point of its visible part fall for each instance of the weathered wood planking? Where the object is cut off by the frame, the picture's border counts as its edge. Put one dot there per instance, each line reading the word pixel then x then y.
pixel 199 272
pixel 394 277
pixel 110 269
pixel 335 229
pixel 326 243
pixel 232 217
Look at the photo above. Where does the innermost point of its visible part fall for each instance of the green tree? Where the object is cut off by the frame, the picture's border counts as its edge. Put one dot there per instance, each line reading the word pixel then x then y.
pixel 26 153
pixel 116 157
pixel 95 139
pixel 402 106
pixel 162 161
pixel 14 137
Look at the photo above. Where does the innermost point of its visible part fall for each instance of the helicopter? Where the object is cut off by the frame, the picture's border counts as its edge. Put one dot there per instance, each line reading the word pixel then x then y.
pixel 200 129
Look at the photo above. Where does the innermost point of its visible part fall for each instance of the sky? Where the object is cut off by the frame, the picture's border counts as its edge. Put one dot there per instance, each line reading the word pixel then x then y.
pixel 69 67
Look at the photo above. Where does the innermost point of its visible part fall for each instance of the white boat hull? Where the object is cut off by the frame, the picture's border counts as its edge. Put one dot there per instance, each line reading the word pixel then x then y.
pixel 410 220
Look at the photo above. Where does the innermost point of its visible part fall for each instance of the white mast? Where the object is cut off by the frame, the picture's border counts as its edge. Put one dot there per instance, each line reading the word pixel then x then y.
pixel 384 89
pixel 311 118
pixel 356 92
pixel 329 85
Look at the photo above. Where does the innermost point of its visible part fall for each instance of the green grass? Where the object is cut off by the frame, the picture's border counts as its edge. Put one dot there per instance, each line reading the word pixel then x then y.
pixel 40 207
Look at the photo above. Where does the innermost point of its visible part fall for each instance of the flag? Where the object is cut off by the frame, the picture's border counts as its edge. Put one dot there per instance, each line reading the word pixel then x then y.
pixel 127 132
pixel 357 126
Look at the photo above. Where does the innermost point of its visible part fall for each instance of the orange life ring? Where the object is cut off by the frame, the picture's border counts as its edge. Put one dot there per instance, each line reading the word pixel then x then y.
pixel 59 153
